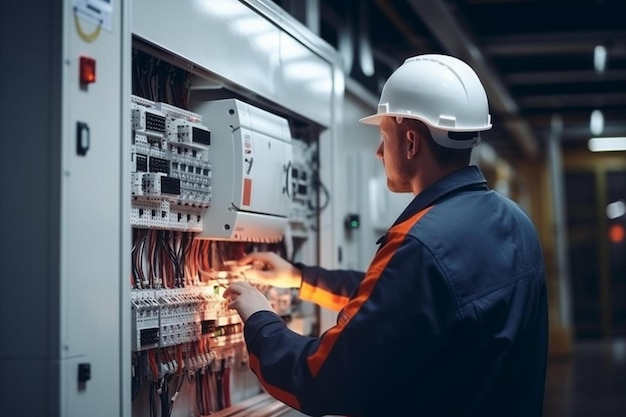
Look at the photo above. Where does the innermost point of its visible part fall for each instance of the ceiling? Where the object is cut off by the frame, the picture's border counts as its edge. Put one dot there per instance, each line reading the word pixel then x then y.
pixel 535 58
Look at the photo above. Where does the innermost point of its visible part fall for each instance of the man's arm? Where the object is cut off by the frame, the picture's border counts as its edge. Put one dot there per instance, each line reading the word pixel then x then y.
pixel 331 289
pixel 362 362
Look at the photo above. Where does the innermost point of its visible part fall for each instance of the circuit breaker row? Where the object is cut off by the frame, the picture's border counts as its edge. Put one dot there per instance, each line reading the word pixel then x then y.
pixel 300 216
pixel 171 175
pixel 169 317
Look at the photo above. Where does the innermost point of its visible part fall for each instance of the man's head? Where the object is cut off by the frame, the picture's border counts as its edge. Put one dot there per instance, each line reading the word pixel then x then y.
pixel 411 157
pixel 435 105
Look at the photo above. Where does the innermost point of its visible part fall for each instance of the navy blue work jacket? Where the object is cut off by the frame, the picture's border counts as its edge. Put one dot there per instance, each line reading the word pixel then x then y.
pixel 450 319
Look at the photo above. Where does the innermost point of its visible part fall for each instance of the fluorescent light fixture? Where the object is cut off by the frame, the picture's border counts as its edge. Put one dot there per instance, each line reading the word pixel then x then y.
pixel 596 123
pixel 616 209
pixel 607 144
pixel 599 58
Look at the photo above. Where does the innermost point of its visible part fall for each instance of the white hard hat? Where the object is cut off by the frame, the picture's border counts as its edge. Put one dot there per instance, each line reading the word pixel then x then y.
pixel 443 92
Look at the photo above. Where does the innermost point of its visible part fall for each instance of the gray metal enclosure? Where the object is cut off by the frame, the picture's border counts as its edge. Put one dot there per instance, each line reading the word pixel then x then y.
pixel 66 235
pixel 64 241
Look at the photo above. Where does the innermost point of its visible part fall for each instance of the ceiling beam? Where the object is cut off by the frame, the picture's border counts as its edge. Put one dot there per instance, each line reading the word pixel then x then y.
pixel 564 77
pixel 403 26
pixel 458 42
pixel 563 101
pixel 555 44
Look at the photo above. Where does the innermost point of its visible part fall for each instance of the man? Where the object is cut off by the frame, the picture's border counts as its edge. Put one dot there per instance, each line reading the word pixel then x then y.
pixel 450 319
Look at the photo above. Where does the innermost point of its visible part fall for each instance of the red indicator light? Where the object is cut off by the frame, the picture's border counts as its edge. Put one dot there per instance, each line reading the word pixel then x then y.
pixel 616 233
pixel 87 70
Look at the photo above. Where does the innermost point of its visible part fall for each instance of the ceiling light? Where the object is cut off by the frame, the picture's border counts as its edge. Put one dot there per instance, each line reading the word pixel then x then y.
pixel 599 58
pixel 615 209
pixel 607 144
pixel 596 123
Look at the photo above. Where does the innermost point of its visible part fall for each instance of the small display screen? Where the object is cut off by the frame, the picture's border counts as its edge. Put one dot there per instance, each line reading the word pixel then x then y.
pixel 170 185
pixel 201 136
pixel 142 163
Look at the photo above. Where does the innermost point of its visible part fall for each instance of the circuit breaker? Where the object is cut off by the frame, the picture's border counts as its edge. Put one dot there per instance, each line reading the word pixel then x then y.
pixel 170 167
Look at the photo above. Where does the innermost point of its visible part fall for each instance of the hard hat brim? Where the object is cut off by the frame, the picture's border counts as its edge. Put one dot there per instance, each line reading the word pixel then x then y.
pixel 373 119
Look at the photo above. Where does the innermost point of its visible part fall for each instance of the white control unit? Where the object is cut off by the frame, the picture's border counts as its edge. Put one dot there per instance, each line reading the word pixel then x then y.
pixel 252 176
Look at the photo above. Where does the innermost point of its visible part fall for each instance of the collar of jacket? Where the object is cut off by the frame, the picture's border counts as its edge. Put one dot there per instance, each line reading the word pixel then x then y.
pixel 465 178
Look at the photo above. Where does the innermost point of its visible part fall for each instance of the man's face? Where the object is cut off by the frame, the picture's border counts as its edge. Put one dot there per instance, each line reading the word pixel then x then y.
pixel 392 151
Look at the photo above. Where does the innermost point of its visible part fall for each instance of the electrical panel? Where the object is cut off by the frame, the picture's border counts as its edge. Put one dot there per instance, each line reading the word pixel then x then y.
pixel 171 174
pixel 252 193
pixel 212 179
pixel 180 322
pixel 205 188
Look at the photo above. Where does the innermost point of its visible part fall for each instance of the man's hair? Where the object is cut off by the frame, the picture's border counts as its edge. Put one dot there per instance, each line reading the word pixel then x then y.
pixel 445 157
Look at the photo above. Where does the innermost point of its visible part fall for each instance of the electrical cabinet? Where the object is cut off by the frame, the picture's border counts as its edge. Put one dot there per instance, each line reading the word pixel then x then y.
pixel 65 245
pixel 262 141
pixel 127 197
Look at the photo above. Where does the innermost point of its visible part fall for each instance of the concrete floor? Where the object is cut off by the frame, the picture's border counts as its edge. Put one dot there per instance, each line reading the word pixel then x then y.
pixel 591 383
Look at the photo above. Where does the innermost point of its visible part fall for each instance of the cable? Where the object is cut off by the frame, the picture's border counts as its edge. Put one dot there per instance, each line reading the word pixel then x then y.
pixel 199 397
pixel 226 383
pixel 168 271
pixel 184 250
pixel 137 377
pixel 219 382
pixel 145 283
pixel 179 379
pixel 153 399
pixel 318 184
pixel 153 261
pixel 137 257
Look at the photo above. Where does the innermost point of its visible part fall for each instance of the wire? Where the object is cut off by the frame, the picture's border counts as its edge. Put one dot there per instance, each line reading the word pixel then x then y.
pixel 226 384
pixel 153 364
pixel 319 185
pixel 153 260
pixel 164 395
pixel 137 378
pixel 219 382
pixel 153 404
pixel 87 37
pixel 199 397
pixel 192 263
pixel 169 269
pixel 177 384
pixel 137 257
pixel 184 244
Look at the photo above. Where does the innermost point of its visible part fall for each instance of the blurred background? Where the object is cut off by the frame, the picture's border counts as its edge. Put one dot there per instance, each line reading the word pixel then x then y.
pixel 555 73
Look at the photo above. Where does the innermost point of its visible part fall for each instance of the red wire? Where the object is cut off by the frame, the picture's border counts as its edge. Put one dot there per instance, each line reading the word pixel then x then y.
pixel 153 365
pixel 179 349
pixel 204 385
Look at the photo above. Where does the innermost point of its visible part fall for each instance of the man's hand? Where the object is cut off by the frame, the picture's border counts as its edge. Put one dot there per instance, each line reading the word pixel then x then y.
pixel 270 269
pixel 246 299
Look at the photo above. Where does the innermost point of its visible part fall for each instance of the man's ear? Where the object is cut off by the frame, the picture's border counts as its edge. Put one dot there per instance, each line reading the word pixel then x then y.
pixel 412 144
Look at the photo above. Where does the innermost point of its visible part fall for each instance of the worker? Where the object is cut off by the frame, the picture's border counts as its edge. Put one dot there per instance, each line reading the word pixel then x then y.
pixel 450 318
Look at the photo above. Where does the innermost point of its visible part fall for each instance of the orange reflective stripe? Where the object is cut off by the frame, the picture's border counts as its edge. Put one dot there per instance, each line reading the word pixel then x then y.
pixel 322 297
pixel 396 236
pixel 278 393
